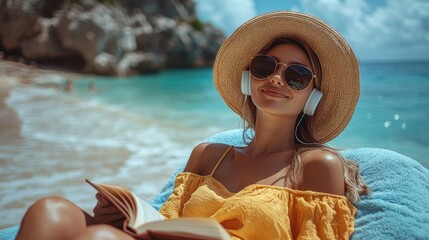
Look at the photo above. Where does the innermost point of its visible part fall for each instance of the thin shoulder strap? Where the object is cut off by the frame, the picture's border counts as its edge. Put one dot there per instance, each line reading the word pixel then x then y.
pixel 221 159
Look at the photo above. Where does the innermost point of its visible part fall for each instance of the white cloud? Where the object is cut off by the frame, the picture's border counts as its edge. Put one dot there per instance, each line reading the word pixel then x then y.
pixel 225 14
pixel 390 31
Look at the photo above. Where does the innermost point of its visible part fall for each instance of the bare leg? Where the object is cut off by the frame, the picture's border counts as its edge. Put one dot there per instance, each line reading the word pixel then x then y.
pixel 103 232
pixel 52 218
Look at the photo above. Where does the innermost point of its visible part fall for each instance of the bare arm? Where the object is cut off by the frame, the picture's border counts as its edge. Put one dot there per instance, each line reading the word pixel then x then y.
pixel 322 172
pixel 204 158
pixel 194 163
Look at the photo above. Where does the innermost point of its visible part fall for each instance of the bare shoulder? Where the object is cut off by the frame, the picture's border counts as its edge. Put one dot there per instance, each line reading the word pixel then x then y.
pixel 322 172
pixel 204 157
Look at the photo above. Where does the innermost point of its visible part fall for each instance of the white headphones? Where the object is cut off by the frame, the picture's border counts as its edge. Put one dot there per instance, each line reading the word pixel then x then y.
pixel 245 83
pixel 309 107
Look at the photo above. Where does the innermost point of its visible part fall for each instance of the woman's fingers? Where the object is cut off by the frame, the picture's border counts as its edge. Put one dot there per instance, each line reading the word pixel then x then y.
pixel 99 209
pixel 101 200
pixel 107 214
pixel 118 223
pixel 104 212
pixel 109 218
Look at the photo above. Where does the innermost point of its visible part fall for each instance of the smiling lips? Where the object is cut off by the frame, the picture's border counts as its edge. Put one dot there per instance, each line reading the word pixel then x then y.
pixel 275 92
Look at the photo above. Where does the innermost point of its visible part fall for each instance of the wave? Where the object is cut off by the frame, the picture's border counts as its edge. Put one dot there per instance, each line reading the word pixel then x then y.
pixel 66 138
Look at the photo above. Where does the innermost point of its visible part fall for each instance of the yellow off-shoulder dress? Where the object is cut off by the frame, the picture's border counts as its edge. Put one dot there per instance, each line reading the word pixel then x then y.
pixel 261 211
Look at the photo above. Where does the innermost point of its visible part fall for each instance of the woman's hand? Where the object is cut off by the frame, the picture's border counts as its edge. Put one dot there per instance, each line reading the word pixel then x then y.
pixel 106 213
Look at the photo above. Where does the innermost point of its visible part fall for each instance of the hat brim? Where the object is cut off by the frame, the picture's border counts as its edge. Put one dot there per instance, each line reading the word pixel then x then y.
pixel 339 66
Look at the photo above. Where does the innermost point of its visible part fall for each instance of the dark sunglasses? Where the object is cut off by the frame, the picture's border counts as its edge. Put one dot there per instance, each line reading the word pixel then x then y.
pixel 296 76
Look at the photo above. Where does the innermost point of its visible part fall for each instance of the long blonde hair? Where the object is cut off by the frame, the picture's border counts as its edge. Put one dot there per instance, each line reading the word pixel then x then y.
pixel 354 183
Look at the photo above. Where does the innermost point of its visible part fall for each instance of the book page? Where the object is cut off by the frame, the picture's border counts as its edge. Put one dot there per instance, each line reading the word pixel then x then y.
pixel 145 212
pixel 136 210
pixel 112 196
pixel 193 228
pixel 142 219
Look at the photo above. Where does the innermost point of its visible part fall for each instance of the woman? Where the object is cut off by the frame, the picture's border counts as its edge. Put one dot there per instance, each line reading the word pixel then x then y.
pixel 295 82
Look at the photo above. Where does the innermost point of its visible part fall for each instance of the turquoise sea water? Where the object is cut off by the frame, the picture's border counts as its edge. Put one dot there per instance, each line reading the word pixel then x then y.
pixel 137 131
pixel 392 112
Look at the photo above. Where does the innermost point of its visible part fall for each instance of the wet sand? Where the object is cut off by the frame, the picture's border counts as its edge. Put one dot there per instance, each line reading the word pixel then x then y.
pixel 10 76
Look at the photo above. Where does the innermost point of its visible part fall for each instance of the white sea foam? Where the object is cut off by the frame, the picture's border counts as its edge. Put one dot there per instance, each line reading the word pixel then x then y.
pixel 60 132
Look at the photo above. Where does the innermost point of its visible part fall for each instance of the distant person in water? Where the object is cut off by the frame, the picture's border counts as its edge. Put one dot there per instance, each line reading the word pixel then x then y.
pixel 92 88
pixel 69 86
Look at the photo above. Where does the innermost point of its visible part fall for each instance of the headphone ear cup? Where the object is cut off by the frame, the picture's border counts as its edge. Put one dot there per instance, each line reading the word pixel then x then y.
pixel 312 102
pixel 245 83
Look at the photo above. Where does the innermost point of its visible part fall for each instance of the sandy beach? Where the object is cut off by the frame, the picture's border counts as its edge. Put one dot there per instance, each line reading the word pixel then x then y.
pixel 25 178
pixel 14 74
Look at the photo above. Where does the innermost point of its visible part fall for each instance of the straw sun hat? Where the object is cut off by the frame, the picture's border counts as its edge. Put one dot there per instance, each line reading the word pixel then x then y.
pixel 339 66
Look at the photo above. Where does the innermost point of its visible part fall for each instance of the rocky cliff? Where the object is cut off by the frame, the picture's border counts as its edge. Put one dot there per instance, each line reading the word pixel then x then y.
pixel 110 37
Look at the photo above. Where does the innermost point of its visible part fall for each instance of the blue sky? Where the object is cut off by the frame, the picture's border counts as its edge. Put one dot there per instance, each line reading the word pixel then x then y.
pixel 376 29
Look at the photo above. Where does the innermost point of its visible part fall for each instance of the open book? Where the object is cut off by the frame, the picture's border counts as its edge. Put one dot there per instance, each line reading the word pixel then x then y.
pixel 143 221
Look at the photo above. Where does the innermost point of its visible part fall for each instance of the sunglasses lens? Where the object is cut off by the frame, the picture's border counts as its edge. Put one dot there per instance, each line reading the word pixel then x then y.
pixel 262 66
pixel 298 77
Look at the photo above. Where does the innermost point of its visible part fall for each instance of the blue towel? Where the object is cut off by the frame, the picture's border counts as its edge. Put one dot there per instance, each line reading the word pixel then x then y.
pixel 397 209
pixel 9 233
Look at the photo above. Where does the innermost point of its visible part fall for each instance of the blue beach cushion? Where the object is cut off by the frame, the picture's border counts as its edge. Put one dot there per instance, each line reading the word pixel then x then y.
pixel 398 207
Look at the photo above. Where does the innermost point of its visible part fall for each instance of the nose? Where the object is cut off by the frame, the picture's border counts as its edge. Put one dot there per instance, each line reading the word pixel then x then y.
pixel 276 78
